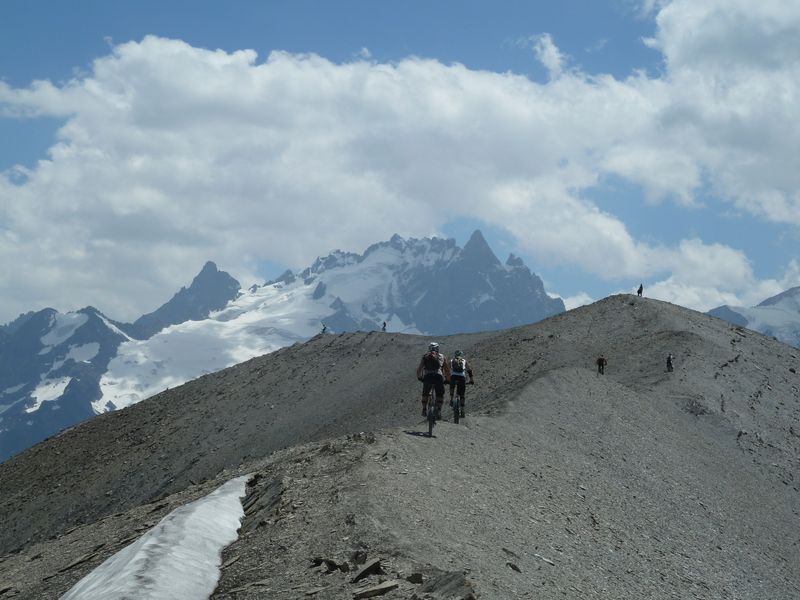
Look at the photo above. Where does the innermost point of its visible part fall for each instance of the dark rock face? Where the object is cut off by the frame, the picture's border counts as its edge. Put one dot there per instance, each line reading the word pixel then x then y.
pixel 210 290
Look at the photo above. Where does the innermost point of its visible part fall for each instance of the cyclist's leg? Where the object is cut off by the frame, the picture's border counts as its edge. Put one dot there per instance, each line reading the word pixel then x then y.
pixel 426 392
pixel 439 383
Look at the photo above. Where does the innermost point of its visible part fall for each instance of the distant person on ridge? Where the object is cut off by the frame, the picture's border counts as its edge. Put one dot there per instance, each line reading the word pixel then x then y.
pixel 459 370
pixel 601 364
pixel 640 290
pixel 669 362
pixel 324 328
pixel 384 327
pixel 433 371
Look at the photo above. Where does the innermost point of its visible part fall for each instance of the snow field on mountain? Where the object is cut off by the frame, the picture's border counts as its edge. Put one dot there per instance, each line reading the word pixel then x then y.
pixel 256 323
pixel 177 559
pixel 259 321
pixel 47 391
pixel 63 326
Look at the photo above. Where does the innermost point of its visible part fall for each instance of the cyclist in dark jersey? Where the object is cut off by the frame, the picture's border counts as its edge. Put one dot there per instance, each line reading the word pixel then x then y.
pixel 459 371
pixel 433 371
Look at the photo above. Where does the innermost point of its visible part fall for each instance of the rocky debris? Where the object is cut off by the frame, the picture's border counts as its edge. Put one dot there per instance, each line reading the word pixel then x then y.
pixel 377 590
pixel 330 565
pixel 513 567
pixel 373 567
pixel 415 578
pixel 448 585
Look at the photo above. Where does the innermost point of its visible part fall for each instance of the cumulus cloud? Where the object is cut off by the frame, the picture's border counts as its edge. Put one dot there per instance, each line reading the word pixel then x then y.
pixel 171 155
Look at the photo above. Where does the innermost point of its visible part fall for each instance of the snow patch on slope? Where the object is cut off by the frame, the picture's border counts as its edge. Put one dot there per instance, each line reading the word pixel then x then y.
pixel 83 353
pixel 62 326
pixel 47 391
pixel 178 559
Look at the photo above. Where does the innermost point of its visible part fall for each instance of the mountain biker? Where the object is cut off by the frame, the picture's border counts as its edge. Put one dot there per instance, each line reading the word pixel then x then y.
pixel 433 371
pixel 459 370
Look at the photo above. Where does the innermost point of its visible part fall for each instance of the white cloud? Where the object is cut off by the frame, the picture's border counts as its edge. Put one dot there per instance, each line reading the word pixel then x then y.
pixel 172 155
pixel 548 54
pixel 579 299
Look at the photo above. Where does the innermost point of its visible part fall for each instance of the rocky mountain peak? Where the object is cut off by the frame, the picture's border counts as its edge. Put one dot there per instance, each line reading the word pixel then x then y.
pixel 210 290
pixel 478 253
pixel 514 261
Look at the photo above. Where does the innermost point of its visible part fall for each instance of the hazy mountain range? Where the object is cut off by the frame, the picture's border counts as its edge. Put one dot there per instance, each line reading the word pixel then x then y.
pixel 778 316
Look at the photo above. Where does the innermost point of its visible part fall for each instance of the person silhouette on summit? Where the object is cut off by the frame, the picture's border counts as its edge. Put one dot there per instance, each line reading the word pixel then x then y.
pixel 669 362
pixel 433 371
pixel 640 290
pixel 601 364
pixel 384 327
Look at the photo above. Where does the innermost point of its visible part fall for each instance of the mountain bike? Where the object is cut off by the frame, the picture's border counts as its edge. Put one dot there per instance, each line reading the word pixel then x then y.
pixel 458 404
pixel 431 414
pixel 457 400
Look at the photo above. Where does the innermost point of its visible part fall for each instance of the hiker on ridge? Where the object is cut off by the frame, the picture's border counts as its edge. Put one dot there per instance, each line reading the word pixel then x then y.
pixel 601 364
pixel 669 362
pixel 433 371
pixel 640 290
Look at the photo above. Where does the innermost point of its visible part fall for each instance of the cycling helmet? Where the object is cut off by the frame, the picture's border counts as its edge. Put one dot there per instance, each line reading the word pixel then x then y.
pixel 433 347
pixel 459 354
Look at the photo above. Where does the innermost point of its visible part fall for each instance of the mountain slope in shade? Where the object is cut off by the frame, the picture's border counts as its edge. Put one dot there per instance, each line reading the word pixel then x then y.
pixel 560 482
pixel 778 316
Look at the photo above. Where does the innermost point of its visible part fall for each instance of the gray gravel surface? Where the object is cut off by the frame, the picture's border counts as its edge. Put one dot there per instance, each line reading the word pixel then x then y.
pixel 559 483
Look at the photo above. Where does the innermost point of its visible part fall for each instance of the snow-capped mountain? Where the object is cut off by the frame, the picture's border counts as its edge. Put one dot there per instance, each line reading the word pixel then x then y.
pixel 778 316
pixel 58 370
pixel 51 363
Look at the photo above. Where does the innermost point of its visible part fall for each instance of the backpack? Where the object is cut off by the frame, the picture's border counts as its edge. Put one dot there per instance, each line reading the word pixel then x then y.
pixel 457 365
pixel 431 362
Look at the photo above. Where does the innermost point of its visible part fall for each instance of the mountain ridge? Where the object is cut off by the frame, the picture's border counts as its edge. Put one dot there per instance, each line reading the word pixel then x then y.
pixel 636 483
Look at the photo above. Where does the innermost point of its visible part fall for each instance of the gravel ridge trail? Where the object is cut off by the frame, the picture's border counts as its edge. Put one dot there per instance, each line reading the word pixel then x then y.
pixel 559 482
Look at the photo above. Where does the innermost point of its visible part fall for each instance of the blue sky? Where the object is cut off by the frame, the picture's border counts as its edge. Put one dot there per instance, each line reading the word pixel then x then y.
pixel 607 143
